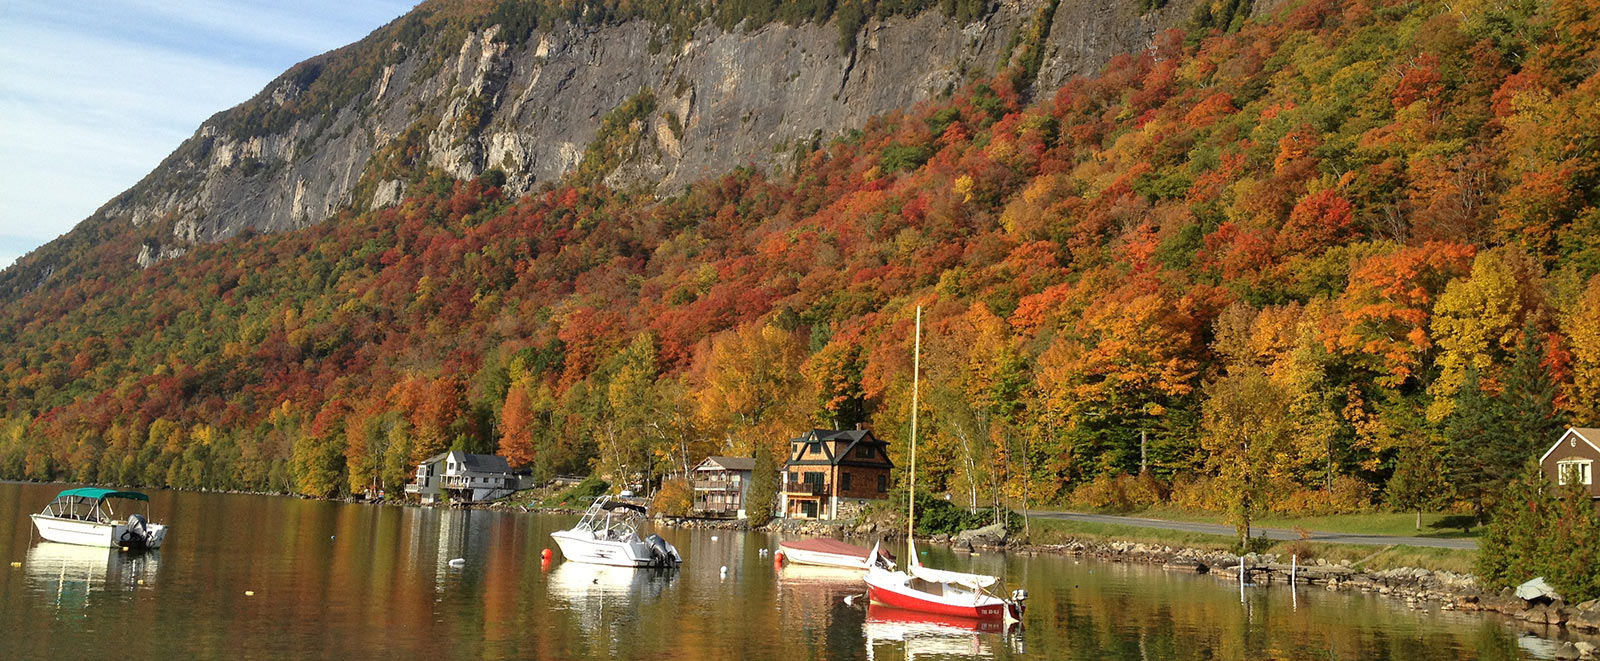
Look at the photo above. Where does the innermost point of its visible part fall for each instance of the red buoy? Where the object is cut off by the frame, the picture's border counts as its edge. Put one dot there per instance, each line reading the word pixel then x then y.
pixel 777 560
pixel 545 555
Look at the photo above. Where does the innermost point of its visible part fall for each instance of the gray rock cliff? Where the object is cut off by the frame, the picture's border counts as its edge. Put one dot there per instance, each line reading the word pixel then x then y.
pixel 464 105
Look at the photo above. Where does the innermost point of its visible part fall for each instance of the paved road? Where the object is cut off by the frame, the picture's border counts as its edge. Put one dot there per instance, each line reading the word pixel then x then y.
pixel 1271 533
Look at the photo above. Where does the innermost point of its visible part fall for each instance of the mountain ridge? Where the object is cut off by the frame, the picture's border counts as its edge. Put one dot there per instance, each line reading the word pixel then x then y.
pixel 353 127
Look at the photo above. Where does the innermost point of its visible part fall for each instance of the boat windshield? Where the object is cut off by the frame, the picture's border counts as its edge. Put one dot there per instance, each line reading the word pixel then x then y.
pixel 80 508
pixel 611 520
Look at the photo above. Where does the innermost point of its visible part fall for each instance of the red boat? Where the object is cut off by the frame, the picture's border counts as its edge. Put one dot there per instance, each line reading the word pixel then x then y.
pixel 827 553
pixel 941 592
pixel 928 590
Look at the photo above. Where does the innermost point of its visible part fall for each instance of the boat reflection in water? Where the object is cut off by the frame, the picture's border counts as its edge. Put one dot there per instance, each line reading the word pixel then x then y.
pixel 604 595
pixel 71 574
pixel 912 634
pixel 821 577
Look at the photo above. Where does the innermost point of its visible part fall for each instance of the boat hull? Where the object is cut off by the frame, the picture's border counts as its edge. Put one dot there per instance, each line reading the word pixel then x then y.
pixel 68 531
pixel 803 557
pixel 578 547
pixel 909 600
pixel 91 533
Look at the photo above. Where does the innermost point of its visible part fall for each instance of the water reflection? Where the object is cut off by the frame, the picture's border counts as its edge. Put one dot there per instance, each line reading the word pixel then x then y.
pixel 279 576
pixel 608 603
pixel 70 574
pixel 910 634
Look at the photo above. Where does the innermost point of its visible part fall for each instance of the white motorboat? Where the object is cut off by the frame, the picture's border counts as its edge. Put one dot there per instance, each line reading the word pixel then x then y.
pixel 84 516
pixel 608 534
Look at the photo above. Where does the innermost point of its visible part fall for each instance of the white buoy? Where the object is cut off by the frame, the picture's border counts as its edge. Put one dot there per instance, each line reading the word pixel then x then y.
pixel 458 562
pixel 724 571
pixel 713 538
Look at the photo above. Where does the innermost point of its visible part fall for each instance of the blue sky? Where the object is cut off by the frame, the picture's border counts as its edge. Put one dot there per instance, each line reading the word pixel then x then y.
pixel 93 94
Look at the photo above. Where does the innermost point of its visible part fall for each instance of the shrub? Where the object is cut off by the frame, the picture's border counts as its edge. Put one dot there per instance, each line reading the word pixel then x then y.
pixel 674 498
pixel 581 494
pixel 937 516
pixel 1193 493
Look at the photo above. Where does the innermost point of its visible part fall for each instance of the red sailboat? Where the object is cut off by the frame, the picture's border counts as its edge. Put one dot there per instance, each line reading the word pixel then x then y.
pixel 928 590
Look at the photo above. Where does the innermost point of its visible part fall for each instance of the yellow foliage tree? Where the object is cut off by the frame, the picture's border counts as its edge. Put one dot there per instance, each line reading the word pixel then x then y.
pixel 1582 324
pixel 1477 320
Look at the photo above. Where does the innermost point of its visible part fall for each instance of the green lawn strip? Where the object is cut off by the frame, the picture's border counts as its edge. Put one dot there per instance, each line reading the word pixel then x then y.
pixel 1362 556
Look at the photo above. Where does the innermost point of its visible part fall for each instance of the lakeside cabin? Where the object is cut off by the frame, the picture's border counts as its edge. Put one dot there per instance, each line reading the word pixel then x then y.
pixel 1573 458
pixel 831 474
pixel 721 485
pixel 464 477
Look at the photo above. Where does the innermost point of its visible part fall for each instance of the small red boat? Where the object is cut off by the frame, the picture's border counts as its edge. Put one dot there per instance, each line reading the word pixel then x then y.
pixel 941 592
pixel 927 590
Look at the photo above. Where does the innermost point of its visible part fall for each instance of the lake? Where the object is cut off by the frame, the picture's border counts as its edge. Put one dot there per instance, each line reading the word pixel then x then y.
pixel 336 580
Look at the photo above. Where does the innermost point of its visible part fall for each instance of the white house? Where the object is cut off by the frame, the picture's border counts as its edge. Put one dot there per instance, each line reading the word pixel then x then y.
pixel 463 477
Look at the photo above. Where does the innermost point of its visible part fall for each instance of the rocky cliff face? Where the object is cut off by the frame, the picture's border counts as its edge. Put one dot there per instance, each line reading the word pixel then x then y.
pixel 721 99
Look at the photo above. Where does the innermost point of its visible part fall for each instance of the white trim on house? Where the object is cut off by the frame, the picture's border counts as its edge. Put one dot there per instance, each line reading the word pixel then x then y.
pixel 1572 431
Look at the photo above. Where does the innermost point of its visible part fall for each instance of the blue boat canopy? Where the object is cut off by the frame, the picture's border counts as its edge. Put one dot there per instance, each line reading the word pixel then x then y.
pixel 98 493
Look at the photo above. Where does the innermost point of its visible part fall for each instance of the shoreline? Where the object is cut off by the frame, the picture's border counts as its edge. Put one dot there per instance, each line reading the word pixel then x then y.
pixel 1575 625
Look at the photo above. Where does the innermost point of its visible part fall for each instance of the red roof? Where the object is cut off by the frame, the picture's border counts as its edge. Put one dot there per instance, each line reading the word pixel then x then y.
pixel 834 546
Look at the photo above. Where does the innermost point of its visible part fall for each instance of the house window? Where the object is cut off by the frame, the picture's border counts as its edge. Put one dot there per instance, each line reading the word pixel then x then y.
pixel 865 452
pixel 883 483
pixel 844 483
pixel 1579 468
pixel 794 478
pixel 808 509
pixel 814 481
pixel 816 448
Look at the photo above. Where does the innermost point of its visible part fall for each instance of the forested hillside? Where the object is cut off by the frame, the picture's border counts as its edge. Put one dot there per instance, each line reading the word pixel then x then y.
pixel 1332 257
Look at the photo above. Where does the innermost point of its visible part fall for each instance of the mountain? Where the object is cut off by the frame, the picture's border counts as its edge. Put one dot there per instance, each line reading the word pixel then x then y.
pixel 522 88
pixel 1313 245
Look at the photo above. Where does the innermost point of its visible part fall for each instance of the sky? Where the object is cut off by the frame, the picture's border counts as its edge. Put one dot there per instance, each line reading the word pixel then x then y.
pixel 94 94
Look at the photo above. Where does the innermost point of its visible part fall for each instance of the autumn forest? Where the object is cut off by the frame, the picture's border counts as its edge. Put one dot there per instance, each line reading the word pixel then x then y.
pixel 1347 256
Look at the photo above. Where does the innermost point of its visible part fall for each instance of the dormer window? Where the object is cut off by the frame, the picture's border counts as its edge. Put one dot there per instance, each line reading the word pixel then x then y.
pixel 816 448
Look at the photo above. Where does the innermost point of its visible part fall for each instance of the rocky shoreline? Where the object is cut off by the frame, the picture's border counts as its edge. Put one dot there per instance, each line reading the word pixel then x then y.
pixel 1573 626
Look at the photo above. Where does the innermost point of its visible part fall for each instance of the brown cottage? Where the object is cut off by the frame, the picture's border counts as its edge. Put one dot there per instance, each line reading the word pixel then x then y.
pixel 1574 457
pixel 721 484
pixel 831 474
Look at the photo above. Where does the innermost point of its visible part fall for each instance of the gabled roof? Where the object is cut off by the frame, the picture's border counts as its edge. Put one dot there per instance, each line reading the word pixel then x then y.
pixel 1588 435
pixel 484 463
pixel 847 439
pixel 477 463
pixel 729 463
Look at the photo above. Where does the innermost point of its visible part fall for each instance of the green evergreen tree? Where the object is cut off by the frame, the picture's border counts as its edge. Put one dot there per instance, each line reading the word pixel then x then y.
pixel 1528 401
pixel 1478 446
pixel 1511 550
pixel 1572 544
pixel 763 491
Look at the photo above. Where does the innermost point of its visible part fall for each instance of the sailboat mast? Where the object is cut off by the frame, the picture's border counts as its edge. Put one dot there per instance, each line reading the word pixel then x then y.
pixel 911 495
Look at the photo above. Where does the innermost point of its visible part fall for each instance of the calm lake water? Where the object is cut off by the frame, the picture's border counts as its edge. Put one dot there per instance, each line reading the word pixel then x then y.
pixel 357 581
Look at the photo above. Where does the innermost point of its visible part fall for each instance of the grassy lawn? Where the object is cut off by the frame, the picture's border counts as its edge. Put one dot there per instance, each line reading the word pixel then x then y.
pixel 1361 556
pixel 1439 525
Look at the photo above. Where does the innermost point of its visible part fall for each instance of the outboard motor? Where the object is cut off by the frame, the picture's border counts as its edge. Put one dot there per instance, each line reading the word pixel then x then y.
pixel 663 553
pixel 135 534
